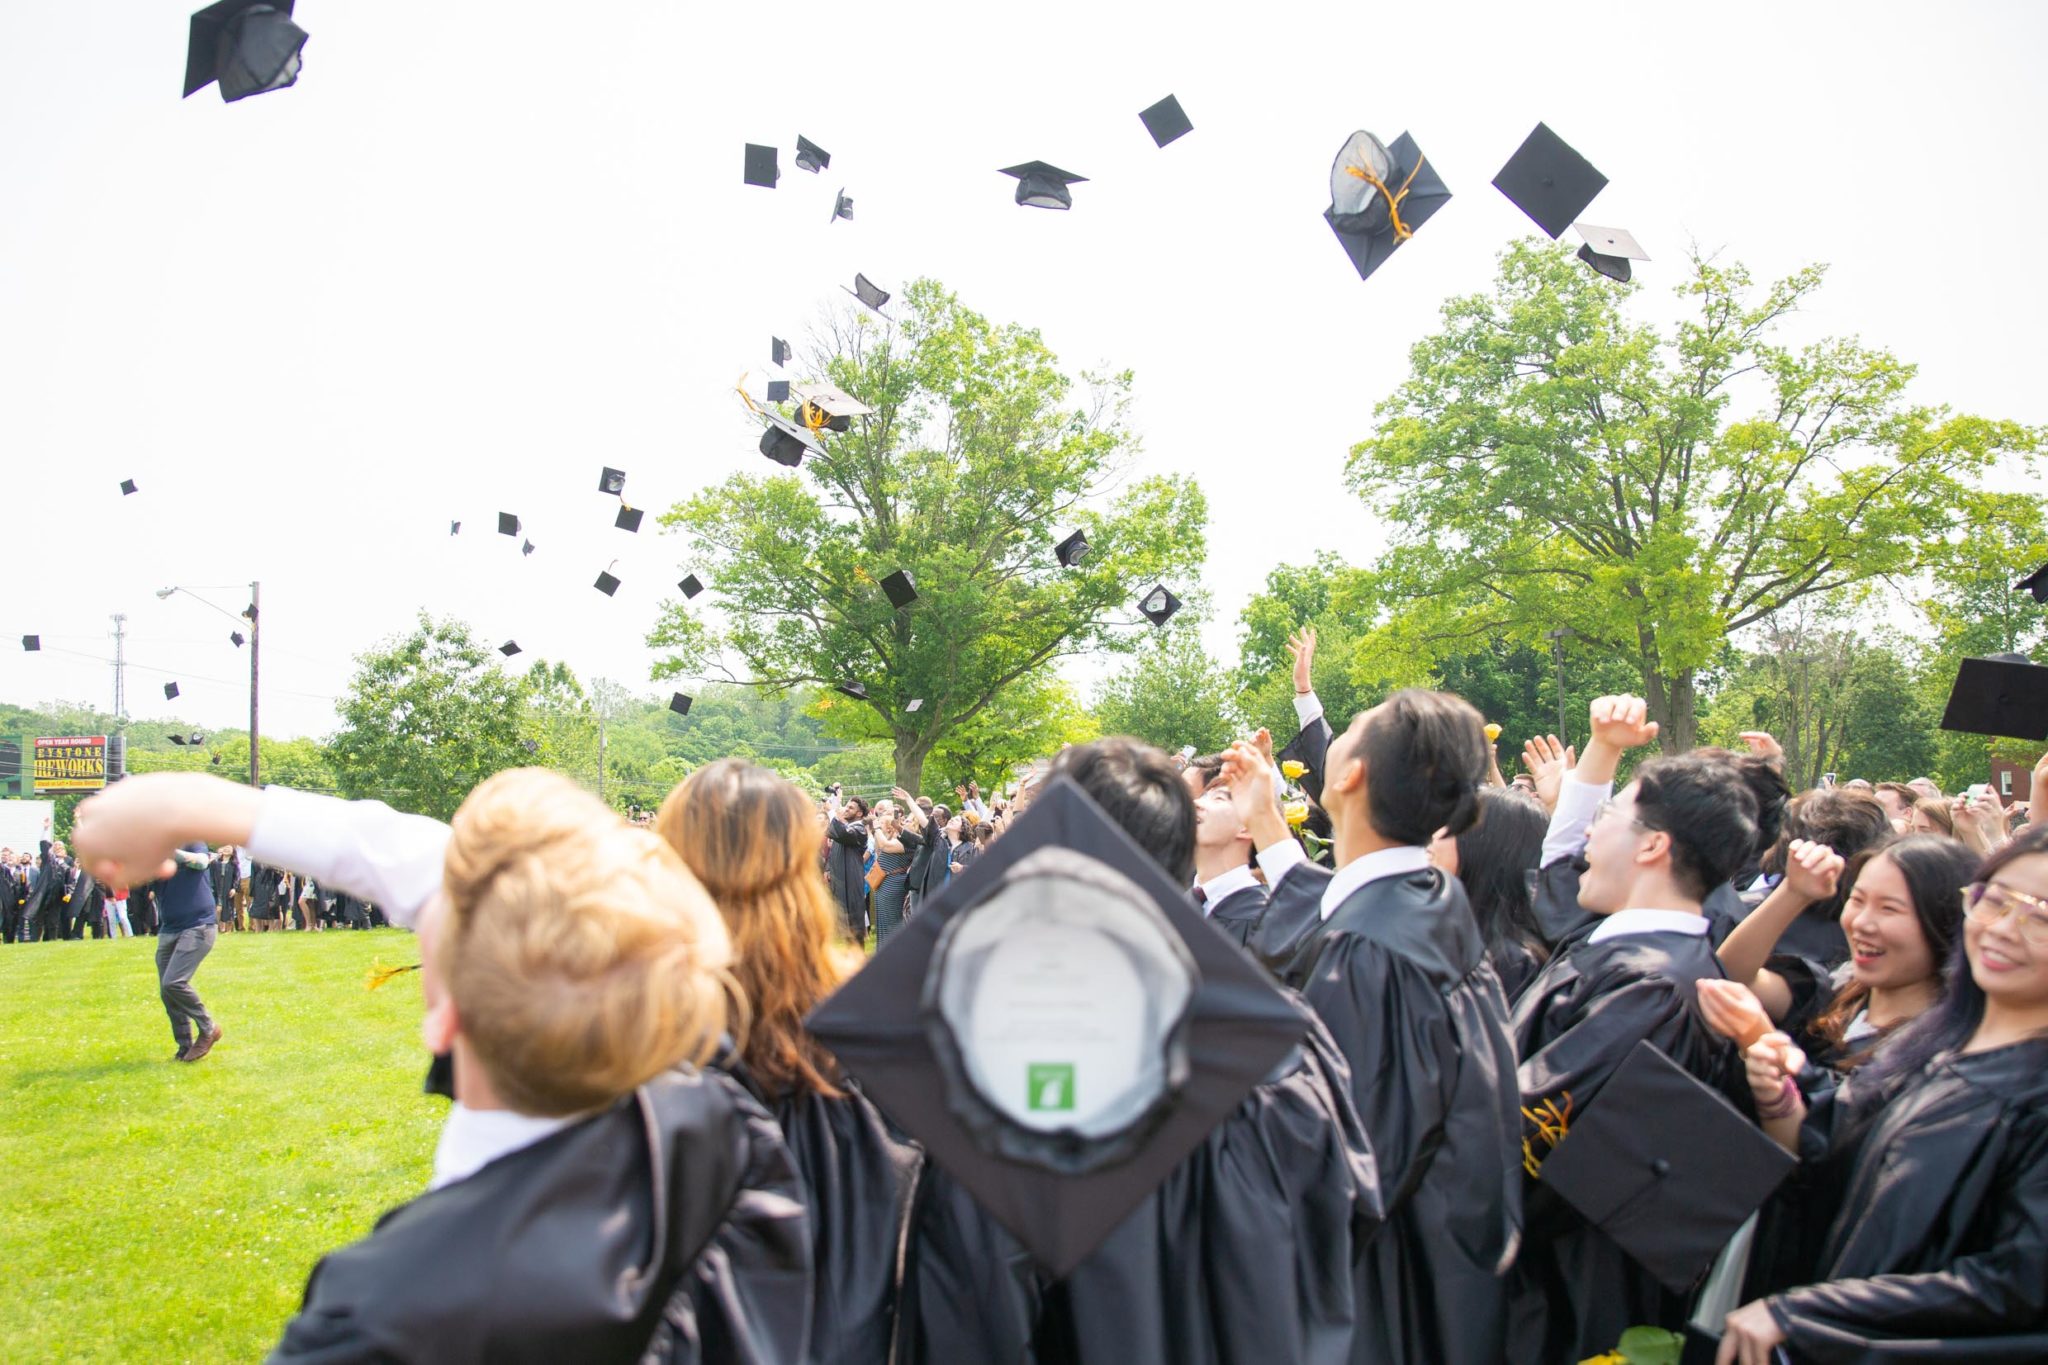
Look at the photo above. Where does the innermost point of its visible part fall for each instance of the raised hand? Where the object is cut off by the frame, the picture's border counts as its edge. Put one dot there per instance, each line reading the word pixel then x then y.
pixel 1262 740
pixel 1623 722
pixel 1812 871
pixel 1301 647
pixel 1762 745
pixel 1249 775
pixel 1547 761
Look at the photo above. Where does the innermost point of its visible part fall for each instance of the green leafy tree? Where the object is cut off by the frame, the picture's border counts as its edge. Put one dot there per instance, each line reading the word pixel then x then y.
pixel 979 457
pixel 1172 695
pixel 428 716
pixel 1031 720
pixel 1551 463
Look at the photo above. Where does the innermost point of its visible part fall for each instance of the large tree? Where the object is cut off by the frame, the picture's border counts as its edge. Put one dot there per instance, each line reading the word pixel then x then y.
pixel 1172 695
pixel 1551 464
pixel 427 717
pixel 979 457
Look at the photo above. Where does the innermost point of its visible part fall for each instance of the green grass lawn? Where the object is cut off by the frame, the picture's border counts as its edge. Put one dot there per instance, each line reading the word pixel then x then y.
pixel 157 1211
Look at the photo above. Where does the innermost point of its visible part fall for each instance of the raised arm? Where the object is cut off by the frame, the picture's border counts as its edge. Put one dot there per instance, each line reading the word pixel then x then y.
pixel 1812 872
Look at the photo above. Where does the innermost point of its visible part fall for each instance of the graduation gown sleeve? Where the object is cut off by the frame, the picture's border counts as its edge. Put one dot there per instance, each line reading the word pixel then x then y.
pixel 1311 748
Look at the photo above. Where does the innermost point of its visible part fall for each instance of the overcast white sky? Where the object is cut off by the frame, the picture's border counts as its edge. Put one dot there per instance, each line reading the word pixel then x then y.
pixel 483 249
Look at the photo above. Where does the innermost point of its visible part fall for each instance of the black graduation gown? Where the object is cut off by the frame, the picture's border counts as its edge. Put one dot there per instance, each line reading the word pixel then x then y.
pixel 1516 963
pixel 857 1181
pixel 1243 1254
pixel 1939 1245
pixel 1238 913
pixel 1294 910
pixel 1400 976
pixel 1576 1291
pixel 669 1227
pixel 1559 915
pixel 1310 747
pixel 845 853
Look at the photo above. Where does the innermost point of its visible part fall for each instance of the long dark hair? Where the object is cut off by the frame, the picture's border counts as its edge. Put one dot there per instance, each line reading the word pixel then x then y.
pixel 1954 1018
pixel 1935 871
pixel 1496 854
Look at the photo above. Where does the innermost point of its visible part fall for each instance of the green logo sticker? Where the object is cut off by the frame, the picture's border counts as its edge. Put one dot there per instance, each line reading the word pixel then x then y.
pixel 1051 1086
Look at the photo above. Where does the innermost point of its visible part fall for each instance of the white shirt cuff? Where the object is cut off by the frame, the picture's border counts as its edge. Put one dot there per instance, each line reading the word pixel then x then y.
pixel 1276 861
pixel 1577 803
pixel 1307 706
pixel 365 848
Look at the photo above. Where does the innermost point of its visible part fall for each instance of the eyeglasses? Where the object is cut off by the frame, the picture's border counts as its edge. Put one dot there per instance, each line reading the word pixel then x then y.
pixel 1989 903
pixel 1608 807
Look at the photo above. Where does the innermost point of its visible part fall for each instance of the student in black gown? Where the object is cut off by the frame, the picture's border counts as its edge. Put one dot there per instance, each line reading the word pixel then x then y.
pixel 1651 853
pixel 749 836
pixel 596 1196
pixel 846 847
pixel 1939 1245
pixel 1393 963
pixel 1494 859
pixel 1227 886
pixel 1243 1255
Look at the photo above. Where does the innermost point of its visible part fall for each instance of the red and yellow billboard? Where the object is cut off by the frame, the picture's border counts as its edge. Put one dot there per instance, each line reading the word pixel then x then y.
pixel 71 763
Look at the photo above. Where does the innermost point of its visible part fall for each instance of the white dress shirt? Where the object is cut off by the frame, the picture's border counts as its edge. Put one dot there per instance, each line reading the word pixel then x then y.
pixel 1307 706
pixel 365 848
pixel 1648 922
pixel 1398 861
pixel 1577 803
pixel 472 1139
pixel 1224 885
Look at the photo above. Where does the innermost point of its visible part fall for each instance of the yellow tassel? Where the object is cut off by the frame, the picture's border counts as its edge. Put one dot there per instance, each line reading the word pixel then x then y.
pixel 379 973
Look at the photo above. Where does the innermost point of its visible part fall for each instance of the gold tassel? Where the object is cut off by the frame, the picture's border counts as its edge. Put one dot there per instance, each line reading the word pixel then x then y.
pixel 379 973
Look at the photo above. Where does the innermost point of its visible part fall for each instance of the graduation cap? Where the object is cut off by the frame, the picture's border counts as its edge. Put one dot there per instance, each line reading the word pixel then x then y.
pixel 247 47
pixel 606 584
pixel 1042 186
pixel 31 643
pixel 178 740
pixel 900 589
pixel 864 290
pixel 2035 583
pixel 611 480
pixel 1379 196
pixel 680 704
pixel 508 525
pixel 778 352
pixel 628 519
pixel 761 168
pixel 914 704
pixel 525 548
pixel 778 390
pixel 858 691
pixel 2005 695
pixel 532 746
pixel 1549 181
pixel 1158 605
pixel 1609 250
pixel 842 206
pixel 823 405
pixel 1165 121
pixel 1058 1027
pixel 236 636
pixel 1665 1166
pixel 785 442
pixel 454 528
pixel 170 691
pixel 127 487
pixel 1072 550
pixel 509 648
pixel 810 156
pixel 691 585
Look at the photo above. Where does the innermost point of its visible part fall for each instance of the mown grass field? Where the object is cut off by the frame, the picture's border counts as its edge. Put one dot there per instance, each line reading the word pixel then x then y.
pixel 157 1211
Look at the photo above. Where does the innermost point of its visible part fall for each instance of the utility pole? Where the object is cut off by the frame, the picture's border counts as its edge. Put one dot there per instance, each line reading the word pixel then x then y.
pixel 255 646
pixel 1557 639
pixel 600 739
pixel 121 670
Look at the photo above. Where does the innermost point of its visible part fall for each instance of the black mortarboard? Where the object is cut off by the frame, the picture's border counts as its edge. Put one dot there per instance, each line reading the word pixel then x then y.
pixel 778 390
pixel 1549 181
pixel 1041 186
pixel 2035 583
pixel 611 480
pixel 842 206
pixel 968 1028
pixel 127 487
pixel 778 351
pixel 858 691
pixel 761 168
pixel 533 747
pixel 785 442
pixel 178 740
pixel 1165 121
pixel 454 528
pixel 31 643
pixel 680 704
pixel 628 518
pixel 1158 605
pixel 236 636
pixel 606 584
pixel 1379 196
pixel 509 648
pixel 248 47
pixel 810 156
pixel 525 548
pixel 864 290
pixel 2005 695
pixel 900 589
pixel 691 585
pixel 170 691
pixel 1665 1166
pixel 1609 250
pixel 1072 550
pixel 508 525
